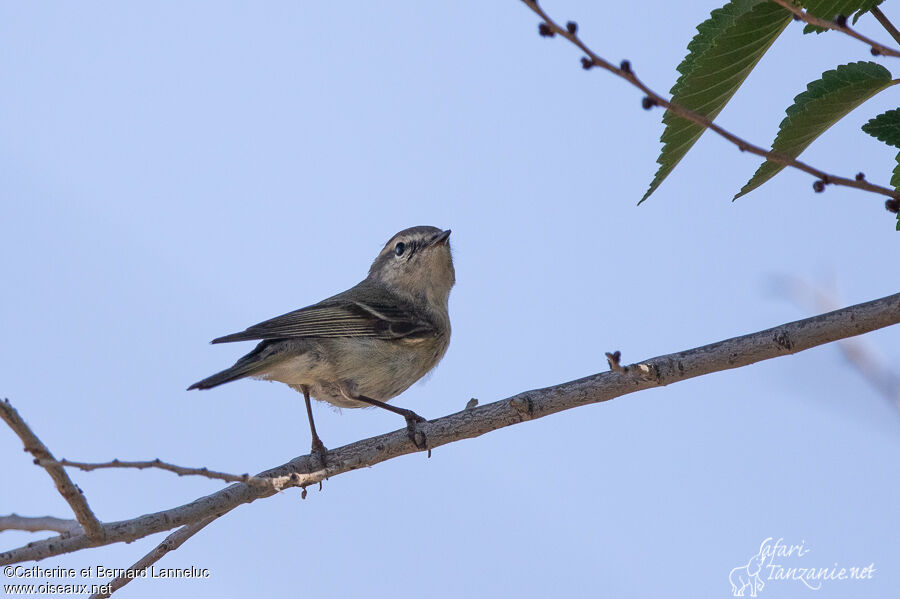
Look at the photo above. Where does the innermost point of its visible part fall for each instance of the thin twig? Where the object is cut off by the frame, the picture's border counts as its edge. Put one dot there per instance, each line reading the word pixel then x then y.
pixel 824 24
pixel 71 493
pixel 39 523
pixel 886 23
pixel 160 465
pixel 170 543
pixel 303 471
pixel 653 98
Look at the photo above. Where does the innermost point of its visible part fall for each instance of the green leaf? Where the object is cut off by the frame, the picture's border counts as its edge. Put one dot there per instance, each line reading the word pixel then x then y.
pixel 895 180
pixel 723 52
pixel 824 103
pixel 867 5
pixel 830 9
pixel 885 127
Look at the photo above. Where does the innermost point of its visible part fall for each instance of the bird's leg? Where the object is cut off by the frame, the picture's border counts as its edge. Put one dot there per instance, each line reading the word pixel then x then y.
pixel 412 419
pixel 318 448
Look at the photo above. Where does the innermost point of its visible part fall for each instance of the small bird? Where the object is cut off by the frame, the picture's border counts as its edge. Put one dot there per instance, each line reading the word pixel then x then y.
pixel 365 345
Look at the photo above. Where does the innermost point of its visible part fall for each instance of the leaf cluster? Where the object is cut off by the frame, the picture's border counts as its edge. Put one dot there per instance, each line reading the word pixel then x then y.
pixel 724 51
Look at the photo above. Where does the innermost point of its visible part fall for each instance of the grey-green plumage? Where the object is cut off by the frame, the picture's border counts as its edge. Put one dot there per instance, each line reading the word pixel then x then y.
pixel 365 345
pixel 383 315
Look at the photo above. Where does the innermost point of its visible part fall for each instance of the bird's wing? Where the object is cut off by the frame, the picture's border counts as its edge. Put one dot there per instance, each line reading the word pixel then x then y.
pixel 340 318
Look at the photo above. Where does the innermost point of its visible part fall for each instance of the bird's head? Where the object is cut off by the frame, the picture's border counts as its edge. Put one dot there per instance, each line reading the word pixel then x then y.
pixel 416 263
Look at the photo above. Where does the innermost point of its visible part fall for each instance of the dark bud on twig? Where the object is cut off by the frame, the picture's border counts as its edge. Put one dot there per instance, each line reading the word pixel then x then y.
pixel 647 103
pixel 819 186
pixel 840 20
pixel 586 63
pixel 875 51
pixel 892 205
pixel 545 30
pixel 796 17
pixel 860 176
pixel 625 66
pixel 572 27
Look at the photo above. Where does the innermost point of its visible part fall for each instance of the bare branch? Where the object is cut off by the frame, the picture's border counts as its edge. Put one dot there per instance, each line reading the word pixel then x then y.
pixel 654 99
pixel 835 25
pixel 64 484
pixel 159 464
pixel 473 422
pixel 38 523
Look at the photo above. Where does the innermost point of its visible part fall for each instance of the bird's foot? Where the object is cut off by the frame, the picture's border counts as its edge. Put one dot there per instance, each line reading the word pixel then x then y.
pixel 319 451
pixel 415 435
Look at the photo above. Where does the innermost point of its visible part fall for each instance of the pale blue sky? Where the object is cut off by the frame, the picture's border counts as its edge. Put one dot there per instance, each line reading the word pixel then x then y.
pixel 176 172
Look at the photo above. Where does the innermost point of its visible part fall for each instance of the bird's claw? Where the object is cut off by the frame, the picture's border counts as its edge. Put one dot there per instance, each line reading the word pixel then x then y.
pixel 319 451
pixel 415 435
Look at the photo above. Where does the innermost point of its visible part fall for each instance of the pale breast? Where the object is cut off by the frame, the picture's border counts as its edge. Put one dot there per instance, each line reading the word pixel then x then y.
pixel 334 370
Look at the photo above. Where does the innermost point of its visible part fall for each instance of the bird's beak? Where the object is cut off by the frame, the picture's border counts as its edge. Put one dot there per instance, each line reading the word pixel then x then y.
pixel 441 237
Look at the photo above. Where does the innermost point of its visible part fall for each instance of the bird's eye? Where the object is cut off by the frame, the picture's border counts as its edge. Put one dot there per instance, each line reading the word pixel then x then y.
pixel 400 248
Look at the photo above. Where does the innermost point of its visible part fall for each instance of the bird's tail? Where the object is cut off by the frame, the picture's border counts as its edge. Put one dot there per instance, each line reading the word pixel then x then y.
pixel 220 378
pixel 246 366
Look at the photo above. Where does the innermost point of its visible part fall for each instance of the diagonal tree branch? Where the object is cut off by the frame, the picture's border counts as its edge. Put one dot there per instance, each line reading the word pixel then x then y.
pixel 843 28
pixel 779 341
pixel 625 72
pixel 64 484
pixel 886 23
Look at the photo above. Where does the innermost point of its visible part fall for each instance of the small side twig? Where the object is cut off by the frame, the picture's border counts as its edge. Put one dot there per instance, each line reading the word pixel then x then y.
pixel 614 364
pixel 886 23
pixel 838 25
pixel 39 523
pixel 71 493
pixel 550 28
pixel 160 465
